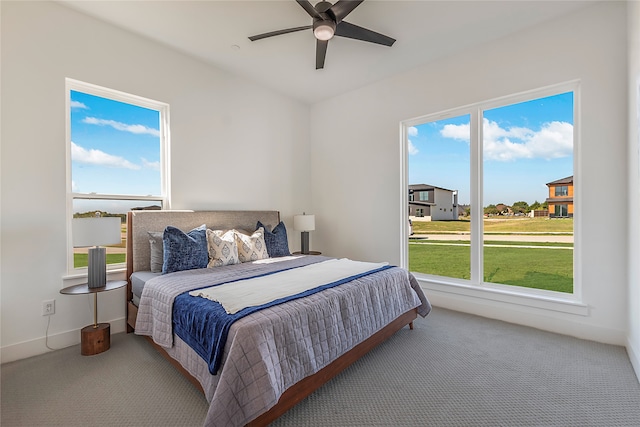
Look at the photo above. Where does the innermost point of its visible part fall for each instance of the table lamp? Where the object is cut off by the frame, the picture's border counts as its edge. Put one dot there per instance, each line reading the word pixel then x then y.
pixel 95 232
pixel 304 223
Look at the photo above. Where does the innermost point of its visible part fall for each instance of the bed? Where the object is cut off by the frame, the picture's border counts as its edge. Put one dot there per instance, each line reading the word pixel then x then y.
pixel 269 359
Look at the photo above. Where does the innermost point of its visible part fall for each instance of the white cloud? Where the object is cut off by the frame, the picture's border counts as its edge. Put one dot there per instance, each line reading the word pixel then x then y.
pixel 460 132
pixel 554 140
pixel 78 104
pixel 150 165
pixel 137 129
pixel 97 157
pixel 413 150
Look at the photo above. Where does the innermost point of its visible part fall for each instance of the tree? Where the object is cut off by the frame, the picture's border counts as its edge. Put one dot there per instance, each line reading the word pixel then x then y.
pixel 491 210
pixel 520 207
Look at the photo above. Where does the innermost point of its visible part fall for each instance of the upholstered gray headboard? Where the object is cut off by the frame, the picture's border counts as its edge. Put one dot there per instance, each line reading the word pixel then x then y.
pixel 141 222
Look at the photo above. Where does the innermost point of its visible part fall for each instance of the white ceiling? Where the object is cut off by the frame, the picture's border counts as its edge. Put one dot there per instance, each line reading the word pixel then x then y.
pixel 217 31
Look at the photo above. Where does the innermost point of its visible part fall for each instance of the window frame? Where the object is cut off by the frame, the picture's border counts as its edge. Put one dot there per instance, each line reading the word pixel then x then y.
pixel 475 286
pixel 164 198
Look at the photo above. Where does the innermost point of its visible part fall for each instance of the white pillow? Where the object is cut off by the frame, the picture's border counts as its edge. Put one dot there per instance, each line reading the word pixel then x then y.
pixel 222 248
pixel 251 248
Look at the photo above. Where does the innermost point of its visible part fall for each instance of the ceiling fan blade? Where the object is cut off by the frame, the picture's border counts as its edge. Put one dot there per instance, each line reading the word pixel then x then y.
pixel 309 8
pixel 321 53
pixel 345 29
pixel 343 7
pixel 279 32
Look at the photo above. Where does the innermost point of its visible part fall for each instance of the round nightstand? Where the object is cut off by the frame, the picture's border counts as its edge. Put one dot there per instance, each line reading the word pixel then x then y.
pixel 94 338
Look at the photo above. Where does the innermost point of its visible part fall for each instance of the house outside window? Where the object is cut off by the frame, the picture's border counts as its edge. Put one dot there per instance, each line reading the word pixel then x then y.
pixel 560 200
pixel 432 202
pixel 117 161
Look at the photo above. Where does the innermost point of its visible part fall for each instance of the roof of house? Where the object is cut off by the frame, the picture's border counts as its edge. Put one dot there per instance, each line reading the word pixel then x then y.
pixel 426 187
pixel 421 203
pixel 567 180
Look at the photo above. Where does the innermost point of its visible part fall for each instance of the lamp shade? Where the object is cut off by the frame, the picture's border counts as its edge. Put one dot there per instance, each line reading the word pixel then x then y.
pixel 304 222
pixel 96 231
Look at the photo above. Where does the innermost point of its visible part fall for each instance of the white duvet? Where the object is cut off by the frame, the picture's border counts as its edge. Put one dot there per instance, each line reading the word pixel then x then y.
pixel 257 291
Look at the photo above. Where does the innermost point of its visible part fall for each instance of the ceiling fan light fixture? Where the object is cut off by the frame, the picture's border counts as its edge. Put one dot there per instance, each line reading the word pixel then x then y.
pixel 324 30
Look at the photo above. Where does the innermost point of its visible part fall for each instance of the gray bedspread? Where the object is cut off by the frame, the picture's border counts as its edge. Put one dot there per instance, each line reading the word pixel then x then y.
pixel 270 350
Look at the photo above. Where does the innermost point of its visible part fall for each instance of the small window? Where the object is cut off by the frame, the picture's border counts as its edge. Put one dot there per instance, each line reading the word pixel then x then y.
pixel 117 149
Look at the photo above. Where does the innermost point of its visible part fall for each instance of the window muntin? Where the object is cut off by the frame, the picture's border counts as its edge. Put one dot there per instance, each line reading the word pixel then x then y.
pixel 484 268
pixel 117 147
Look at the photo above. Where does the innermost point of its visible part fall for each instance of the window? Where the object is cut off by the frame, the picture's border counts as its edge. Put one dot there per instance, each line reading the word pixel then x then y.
pixel 117 147
pixel 491 164
pixel 439 158
pixel 561 210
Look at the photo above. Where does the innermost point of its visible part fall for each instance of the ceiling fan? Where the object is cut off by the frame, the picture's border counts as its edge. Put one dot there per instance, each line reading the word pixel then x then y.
pixel 328 22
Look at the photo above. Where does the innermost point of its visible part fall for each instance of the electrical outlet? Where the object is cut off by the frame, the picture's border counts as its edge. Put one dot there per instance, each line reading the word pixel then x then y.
pixel 48 307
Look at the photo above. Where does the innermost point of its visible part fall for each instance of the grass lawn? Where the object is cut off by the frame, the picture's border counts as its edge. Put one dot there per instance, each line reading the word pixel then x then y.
pixel 499 225
pixel 80 260
pixel 491 242
pixel 550 269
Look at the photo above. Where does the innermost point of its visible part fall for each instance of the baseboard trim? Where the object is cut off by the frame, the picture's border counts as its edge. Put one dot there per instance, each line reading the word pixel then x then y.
pixel 634 357
pixel 548 320
pixel 57 341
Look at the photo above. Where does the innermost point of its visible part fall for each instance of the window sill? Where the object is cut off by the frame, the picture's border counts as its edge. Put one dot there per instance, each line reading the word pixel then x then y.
pixel 79 277
pixel 545 300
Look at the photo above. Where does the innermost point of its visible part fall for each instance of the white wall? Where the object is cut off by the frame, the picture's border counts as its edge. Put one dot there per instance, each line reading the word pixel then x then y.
pixel 589 45
pixel 633 341
pixel 234 145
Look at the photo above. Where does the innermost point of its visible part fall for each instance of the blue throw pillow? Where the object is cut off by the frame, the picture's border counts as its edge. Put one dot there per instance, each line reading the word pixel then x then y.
pixel 276 240
pixel 184 251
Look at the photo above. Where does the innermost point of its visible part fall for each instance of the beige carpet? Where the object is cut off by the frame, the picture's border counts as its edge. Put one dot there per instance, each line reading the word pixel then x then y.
pixel 454 369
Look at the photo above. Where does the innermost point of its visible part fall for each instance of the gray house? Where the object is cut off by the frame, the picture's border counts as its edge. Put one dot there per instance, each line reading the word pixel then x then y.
pixel 433 203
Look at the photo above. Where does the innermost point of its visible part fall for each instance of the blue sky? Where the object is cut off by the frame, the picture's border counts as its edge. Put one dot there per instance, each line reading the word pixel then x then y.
pixel 115 147
pixel 525 146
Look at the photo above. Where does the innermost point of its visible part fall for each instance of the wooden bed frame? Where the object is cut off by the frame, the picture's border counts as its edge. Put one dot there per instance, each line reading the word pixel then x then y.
pixel 301 389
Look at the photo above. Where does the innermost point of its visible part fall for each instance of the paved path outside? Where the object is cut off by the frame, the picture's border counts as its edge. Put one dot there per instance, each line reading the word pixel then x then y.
pixel 500 237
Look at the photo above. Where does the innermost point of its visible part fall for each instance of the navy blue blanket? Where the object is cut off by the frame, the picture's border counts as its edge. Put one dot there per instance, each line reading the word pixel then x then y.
pixel 204 324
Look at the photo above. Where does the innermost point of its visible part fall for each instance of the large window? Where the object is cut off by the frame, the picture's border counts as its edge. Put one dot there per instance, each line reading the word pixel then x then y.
pixel 117 159
pixel 492 165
